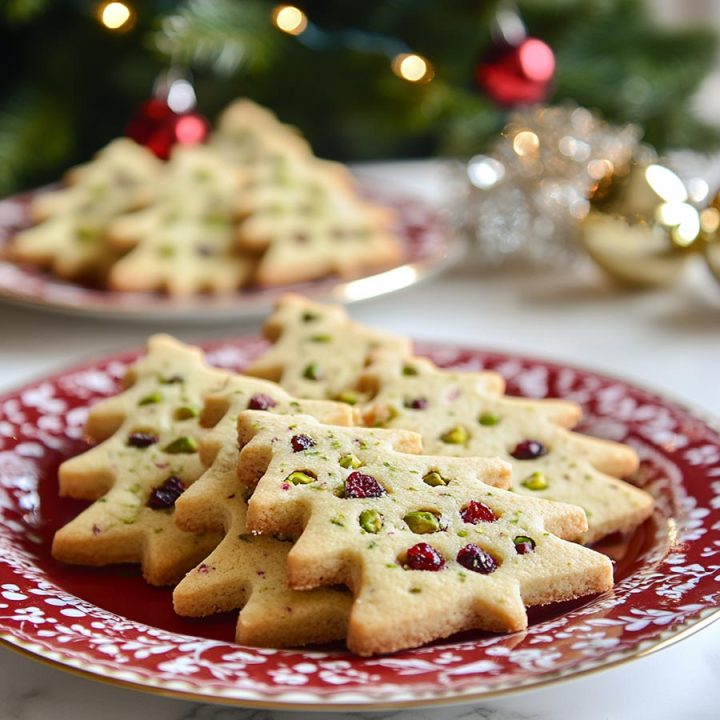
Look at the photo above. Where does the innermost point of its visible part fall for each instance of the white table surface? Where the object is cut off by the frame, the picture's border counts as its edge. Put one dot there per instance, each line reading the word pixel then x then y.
pixel 666 339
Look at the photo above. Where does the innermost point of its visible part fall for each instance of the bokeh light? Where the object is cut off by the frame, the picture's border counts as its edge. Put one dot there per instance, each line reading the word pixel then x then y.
pixel 116 15
pixel 413 68
pixel 290 19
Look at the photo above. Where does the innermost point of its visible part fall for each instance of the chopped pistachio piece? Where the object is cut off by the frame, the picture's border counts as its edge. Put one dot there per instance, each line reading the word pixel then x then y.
pixel 422 522
pixel 350 461
pixel 409 370
pixel 371 521
pixel 455 436
pixel 182 445
pixel 312 371
pixel 488 419
pixel 535 481
pixel 434 479
pixel 152 399
pixel 185 412
pixel 348 396
pixel 301 478
pixel 321 338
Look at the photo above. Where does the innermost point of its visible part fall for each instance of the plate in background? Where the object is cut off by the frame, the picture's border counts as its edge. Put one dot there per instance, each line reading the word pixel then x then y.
pixel 430 247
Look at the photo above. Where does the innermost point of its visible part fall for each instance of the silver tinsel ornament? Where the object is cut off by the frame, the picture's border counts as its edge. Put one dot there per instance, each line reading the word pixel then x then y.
pixel 524 199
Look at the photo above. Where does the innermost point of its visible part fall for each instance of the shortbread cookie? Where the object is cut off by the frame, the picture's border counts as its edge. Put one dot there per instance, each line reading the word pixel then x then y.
pixel 456 415
pixel 70 237
pixel 120 177
pixel 346 237
pixel 247 132
pixel 183 243
pixel 147 456
pixel 318 352
pixel 426 544
pixel 247 571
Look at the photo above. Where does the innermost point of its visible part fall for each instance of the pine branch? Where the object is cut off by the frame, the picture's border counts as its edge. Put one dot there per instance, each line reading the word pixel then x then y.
pixel 23 11
pixel 35 134
pixel 223 34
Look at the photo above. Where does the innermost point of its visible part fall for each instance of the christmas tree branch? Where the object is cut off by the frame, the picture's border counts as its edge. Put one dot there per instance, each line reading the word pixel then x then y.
pixel 223 34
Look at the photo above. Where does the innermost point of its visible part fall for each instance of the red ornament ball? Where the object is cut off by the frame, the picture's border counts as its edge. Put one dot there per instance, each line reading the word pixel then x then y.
pixel 159 128
pixel 517 74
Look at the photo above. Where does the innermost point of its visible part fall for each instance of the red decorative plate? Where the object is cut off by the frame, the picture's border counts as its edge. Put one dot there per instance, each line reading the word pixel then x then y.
pixel 109 625
pixel 429 248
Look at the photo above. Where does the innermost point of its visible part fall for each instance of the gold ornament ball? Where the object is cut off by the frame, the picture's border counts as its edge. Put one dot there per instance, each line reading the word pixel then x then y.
pixel 640 227
pixel 710 235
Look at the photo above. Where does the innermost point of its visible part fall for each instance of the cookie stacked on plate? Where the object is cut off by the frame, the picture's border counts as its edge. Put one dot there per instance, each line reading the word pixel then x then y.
pixel 385 502
pixel 252 206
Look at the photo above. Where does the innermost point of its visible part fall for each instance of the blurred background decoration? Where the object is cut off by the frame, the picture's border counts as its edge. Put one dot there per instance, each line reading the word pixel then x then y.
pixel 377 79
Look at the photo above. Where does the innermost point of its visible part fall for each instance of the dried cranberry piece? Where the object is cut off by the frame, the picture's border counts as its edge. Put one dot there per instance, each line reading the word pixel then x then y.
pixel 529 450
pixel 476 512
pixel 142 439
pixel 165 495
pixel 260 401
pixel 359 485
pixel 418 403
pixel 424 557
pixel 301 442
pixel 476 559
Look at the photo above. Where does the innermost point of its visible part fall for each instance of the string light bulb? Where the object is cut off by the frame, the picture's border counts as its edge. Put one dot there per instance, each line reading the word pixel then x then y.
pixel 413 68
pixel 116 16
pixel 290 19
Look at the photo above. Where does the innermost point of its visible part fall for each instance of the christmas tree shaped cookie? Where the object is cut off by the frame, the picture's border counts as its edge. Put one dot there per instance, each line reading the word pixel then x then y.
pixel 184 243
pixel 457 416
pixel 248 571
pixel 427 545
pixel 247 134
pixel 147 455
pixel 336 234
pixel 70 236
pixel 318 352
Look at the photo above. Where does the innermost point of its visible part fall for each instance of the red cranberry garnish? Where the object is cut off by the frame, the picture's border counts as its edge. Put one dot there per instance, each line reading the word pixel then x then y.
pixel 418 403
pixel 301 442
pixel 476 559
pixel 424 557
pixel 359 485
pixel 260 401
pixel 142 439
pixel 476 512
pixel 165 495
pixel 529 450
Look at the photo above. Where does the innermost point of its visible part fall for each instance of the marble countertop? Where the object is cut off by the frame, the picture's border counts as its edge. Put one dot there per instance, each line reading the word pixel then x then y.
pixel 669 340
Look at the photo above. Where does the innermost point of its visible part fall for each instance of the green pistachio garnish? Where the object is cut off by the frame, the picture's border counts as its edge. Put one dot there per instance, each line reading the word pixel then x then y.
pixel 350 461
pixel 535 481
pixel 308 316
pixel 312 371
pixel 185 412
pixel 348 396
pixel 489 419
pixel 182 445
pixel 455 436
pixel 301 478
pixel 152 398
pixel 409 370
pixel 321 338
pixel 371 521
pixel 422 522
pixel 434 479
